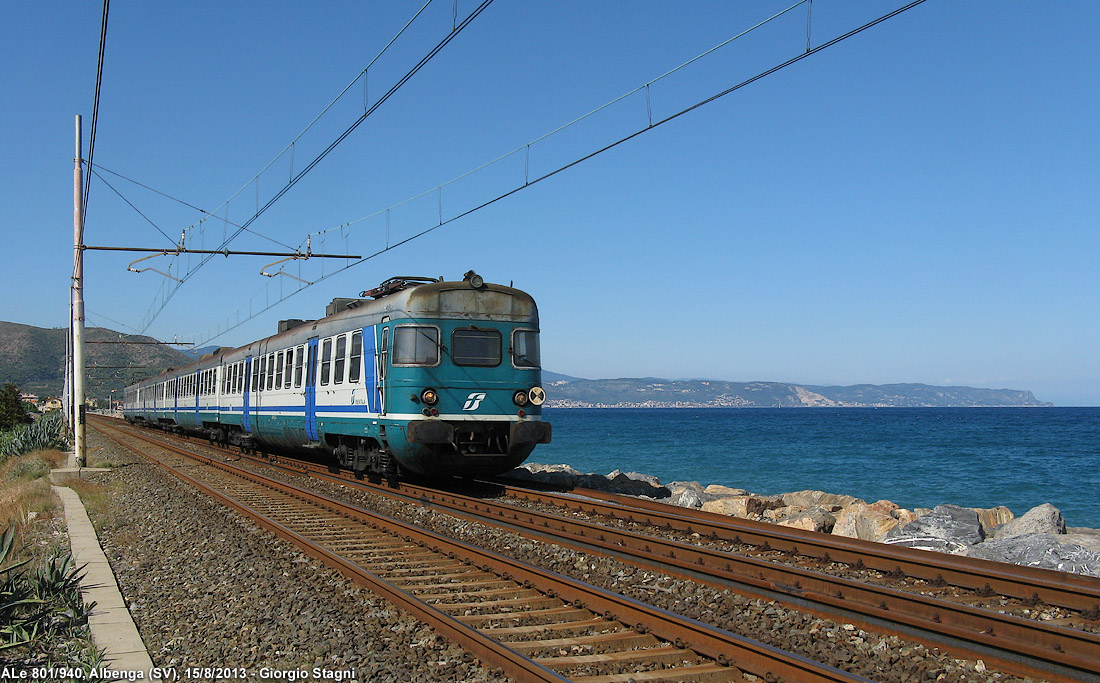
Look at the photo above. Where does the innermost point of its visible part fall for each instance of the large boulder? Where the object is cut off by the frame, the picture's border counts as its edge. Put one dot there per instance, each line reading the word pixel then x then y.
pixel 1083 536
pixel 863 521
pixel 1041 519
pixel 990 518
pixel 904 517
pixel 820 499
pixel 627 483
pixel 1040 550
pixel 946 529
pixel 749 506
pixel 723 491
pixel 686 498
pixel 554 475
pixel 813 519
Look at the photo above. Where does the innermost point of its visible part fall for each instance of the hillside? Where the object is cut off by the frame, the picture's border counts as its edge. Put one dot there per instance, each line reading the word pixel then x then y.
pixel 34 359
pixel 650 392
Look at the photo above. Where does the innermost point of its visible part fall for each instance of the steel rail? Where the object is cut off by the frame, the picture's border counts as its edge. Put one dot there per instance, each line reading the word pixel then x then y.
pixel 726 648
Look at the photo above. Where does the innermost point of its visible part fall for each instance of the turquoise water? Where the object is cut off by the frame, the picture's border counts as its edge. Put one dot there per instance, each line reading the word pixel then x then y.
pixel 915 457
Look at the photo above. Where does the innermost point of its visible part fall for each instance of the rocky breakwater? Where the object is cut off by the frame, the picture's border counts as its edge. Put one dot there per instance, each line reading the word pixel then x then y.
pixel 1038 538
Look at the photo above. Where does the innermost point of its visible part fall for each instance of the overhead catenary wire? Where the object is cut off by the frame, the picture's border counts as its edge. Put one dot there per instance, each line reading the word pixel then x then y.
pixel 453 33
pixel 529 182
pixel 189 205
pixel 95 103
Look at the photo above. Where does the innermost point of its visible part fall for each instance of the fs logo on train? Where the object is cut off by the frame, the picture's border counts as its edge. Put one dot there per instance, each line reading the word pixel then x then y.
pixel 473 401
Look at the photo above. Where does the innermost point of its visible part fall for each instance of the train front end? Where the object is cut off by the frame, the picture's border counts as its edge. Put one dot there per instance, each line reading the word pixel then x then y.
pixel 463 379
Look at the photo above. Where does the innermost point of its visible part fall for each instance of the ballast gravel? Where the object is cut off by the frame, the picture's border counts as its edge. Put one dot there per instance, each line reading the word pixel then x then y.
pixel 207 588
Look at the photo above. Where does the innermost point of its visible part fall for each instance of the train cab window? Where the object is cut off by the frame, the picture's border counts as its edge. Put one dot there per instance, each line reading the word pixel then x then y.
pixel 525 349
pixel 279 370
pixel 356 364
pixel 341 359
pixel 299 361
pixel 473 346
pixel 415 345
pixel 326 360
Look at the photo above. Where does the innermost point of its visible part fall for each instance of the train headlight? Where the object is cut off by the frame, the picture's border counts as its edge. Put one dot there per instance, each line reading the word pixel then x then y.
pixel 429 397
pixel 537 396
pixel 520 398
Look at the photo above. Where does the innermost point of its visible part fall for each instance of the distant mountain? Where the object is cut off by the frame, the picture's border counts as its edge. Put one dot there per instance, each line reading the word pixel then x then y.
pixel 916 395
pixel 34 359
pixel 195 354
pixel 549 378
pixel 650 392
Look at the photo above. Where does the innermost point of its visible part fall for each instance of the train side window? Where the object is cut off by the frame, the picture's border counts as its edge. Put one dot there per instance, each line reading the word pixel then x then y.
pixel 341 359
pixel 415 345
pixel 473 346
pixel 355 368
pixel 288 367
pixel 299 361
pixel 525 349
pixel 263 373
pixel 279 370
pixel 326 360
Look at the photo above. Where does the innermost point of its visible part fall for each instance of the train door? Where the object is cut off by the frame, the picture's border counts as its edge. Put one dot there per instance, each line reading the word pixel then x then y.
pixel 370 367
pixel 383 362
pixel 246 420
pixel 311 391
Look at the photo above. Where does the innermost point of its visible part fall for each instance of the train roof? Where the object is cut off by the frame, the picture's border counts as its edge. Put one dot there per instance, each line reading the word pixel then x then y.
pixel 400 297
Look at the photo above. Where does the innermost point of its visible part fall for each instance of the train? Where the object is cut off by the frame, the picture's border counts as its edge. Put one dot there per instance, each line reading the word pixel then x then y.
pixel 418 376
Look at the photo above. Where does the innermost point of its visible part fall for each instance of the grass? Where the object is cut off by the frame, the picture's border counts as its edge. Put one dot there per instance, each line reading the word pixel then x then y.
pixel 25 494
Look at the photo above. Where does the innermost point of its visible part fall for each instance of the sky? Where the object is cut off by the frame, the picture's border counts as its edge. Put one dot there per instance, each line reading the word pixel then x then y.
pixel 917 203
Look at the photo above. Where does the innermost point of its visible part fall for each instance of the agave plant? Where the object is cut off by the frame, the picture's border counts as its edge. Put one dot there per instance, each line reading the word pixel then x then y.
pixel 18 623
pixel 47 432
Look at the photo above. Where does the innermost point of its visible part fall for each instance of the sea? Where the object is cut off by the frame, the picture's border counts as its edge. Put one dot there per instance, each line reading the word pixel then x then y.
pixel 915 457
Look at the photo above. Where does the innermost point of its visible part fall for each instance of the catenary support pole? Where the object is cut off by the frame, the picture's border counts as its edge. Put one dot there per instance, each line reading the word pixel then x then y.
pixel 78 303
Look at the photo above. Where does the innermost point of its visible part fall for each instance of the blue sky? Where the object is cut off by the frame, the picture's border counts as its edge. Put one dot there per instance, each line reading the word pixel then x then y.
pixel 918 203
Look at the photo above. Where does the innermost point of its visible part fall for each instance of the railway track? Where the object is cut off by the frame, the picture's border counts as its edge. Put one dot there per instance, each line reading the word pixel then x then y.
pixel 742 555
pixel 533 624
